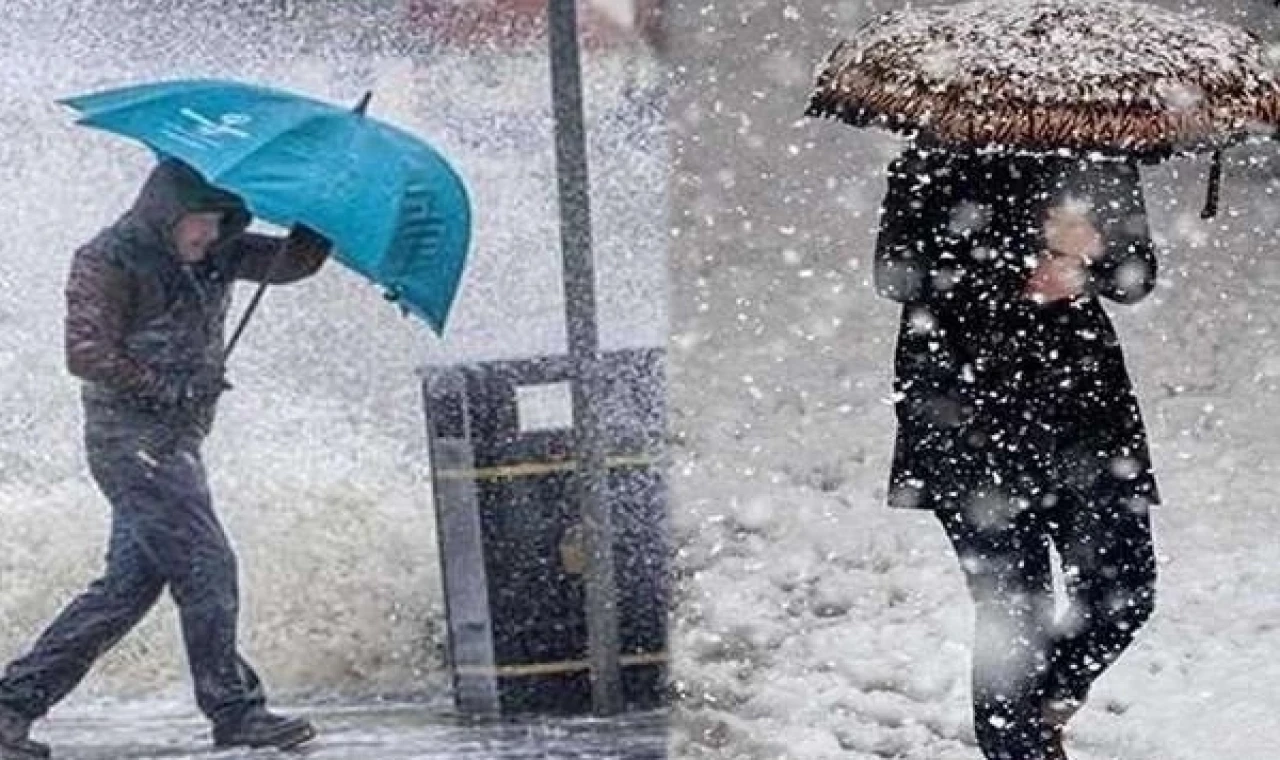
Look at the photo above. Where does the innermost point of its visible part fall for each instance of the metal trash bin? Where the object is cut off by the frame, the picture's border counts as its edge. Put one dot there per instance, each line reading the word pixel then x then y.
pixel 508 520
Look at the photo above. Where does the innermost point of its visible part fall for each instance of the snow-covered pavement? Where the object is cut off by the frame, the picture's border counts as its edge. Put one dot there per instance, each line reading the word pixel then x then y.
pixel 151 730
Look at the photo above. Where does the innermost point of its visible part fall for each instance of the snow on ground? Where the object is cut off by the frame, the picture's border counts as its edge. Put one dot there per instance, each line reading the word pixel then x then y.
pixel 153 729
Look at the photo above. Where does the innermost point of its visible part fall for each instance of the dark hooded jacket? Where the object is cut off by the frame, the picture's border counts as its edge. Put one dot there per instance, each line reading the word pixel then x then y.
pixel 999 399
pixel 138 320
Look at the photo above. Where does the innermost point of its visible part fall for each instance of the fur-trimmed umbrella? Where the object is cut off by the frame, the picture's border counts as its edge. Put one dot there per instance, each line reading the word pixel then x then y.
pixel 1105 76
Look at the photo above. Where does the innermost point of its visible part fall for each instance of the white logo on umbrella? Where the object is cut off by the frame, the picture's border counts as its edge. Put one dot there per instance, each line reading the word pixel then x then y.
pixel 202 132
pixel 227 123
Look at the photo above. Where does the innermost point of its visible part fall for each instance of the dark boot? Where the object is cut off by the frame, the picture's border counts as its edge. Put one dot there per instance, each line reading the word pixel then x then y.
pixel 15 741
pixel 260 728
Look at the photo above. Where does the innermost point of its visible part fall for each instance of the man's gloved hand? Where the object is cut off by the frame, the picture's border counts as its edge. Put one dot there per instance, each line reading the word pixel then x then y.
pixel 180 390
pixel 207 384
pixel 304 240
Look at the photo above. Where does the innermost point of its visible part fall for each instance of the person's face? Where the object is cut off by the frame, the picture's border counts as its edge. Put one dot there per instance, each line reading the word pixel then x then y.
pixel 195 234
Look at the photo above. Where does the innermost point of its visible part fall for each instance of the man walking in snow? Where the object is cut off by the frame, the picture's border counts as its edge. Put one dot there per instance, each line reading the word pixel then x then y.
pixel 147 301
pixel 1017 422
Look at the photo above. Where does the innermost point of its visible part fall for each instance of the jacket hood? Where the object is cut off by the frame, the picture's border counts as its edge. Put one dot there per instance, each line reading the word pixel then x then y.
pixel 174 189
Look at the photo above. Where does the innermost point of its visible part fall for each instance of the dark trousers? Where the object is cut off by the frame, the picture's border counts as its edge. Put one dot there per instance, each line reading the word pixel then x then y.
pixel 1021 658
pixel 163 533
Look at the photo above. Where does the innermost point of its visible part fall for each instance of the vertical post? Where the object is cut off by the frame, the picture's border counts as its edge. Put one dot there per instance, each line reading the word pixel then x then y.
pixel 584 350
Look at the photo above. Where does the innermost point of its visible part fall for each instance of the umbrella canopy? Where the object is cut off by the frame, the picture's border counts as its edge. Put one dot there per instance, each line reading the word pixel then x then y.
pixel 395 210
pixel 1086 75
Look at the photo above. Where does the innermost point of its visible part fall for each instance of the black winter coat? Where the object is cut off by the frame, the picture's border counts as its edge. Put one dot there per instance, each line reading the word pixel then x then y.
pixel 136 317
pixel 1003 403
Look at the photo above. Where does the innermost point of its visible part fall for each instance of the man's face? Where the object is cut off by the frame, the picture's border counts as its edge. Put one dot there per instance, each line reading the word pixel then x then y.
pixel 194 234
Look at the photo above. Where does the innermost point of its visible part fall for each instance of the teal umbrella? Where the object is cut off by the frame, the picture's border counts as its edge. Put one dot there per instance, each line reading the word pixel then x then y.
pixel 394 208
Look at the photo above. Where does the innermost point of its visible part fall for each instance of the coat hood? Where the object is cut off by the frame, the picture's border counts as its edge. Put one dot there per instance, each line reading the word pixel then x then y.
pixel 174 189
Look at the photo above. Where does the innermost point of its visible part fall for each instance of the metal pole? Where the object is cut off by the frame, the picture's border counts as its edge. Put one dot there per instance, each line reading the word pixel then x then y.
pixel 584 349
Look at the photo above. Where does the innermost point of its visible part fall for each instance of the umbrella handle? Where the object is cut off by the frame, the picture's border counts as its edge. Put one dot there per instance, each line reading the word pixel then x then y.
pixel 257 295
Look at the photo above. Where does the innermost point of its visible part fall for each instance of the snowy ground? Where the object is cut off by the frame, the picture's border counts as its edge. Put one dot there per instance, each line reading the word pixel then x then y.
pixel 813 622
pixel 151 730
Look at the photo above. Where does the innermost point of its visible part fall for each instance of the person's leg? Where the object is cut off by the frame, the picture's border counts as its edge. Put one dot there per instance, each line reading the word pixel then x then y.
pixel 183 537
pixel 201 568
pixel 1109 570
pixel 1007 568
pixel 93 623
pixel 88 627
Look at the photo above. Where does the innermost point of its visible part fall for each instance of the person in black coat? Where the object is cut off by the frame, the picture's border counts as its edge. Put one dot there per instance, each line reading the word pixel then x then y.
pixel 1017 422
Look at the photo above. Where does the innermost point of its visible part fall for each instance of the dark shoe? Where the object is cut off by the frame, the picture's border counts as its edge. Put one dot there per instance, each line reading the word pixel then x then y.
pixel 15 741
pixel 260 728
